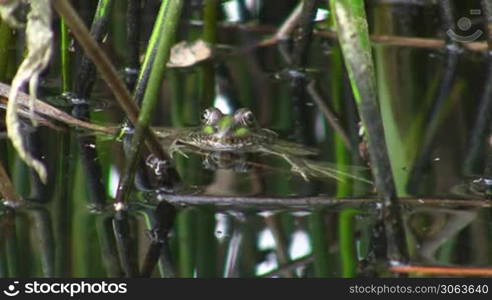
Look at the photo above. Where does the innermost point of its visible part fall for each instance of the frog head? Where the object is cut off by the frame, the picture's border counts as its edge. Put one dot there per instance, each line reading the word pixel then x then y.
pixel 221 127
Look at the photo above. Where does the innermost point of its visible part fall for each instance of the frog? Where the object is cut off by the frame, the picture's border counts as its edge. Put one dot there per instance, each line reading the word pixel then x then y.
pixel 240 133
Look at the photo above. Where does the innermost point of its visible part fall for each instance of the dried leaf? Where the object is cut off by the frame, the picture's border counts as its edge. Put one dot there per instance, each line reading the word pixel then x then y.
pixel 45 109
pixel 7 9
pixel 185 54
pixel 39 43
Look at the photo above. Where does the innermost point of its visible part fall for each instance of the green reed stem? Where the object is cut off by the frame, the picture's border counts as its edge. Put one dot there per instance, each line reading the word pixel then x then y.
pixel 62 204
pixel 8 258
pixel 105 67
pixel 319 241
pixel 347 242
pixel 65 57
pixel 185 231
pixel 354 39
pixel 169 14
pixel 172 11
pixel 4 271
pixel 209 36
pixel 206 243
pixel 342 155
pixel 12 252
pixel 150 56
pixel 356 47
pixel 46 242
pixel 5 43
pixel 210 21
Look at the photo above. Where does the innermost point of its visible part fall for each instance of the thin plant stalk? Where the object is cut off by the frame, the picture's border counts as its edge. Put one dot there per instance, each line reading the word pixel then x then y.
pixel 303 34
pixel 206 260
pixel 150 56
pixel 85 79
pixel 170 18
pixel 300 54
pixel 4 270
pixel 341 144
pixel 478 154
pixel 442 271
pixel 347 242
pixel 107 70
pixel 65 57
pixel 320 244
pixel 291 266
pixel 86 72
pixel 46 242
pixel 234 248
pixel 330 116
pixel 281 242
pixel 356 47
pixel 209 36
pixel 160 223
pixel 133 28
pixel 376 39
pixel 186 235
pixel 109 251
pixel 126 244
pixel 61 211
pixel 437 113
pixel 5 44
pixel 12 248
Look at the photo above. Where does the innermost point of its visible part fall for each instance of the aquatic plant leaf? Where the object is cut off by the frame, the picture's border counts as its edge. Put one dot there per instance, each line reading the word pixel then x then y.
pixel 39 44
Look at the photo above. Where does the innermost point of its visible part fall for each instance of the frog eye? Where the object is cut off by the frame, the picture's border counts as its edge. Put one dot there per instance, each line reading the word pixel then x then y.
pixel 244 117
pixel 211 115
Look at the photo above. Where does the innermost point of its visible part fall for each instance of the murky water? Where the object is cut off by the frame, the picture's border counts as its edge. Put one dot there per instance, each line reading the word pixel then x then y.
pixel 256 217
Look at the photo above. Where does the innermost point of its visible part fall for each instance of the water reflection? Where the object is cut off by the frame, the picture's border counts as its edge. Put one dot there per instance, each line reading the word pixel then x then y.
pixel 332 238
pixel 435 233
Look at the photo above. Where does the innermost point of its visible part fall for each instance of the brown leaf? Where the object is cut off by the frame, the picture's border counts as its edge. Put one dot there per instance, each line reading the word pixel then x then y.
pixel 185 54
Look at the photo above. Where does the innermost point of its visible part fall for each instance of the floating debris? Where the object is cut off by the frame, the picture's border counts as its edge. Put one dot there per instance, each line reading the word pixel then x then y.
pixel 185 54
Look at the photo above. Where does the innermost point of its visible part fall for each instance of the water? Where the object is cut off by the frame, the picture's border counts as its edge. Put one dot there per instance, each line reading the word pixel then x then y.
pixel 265 220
